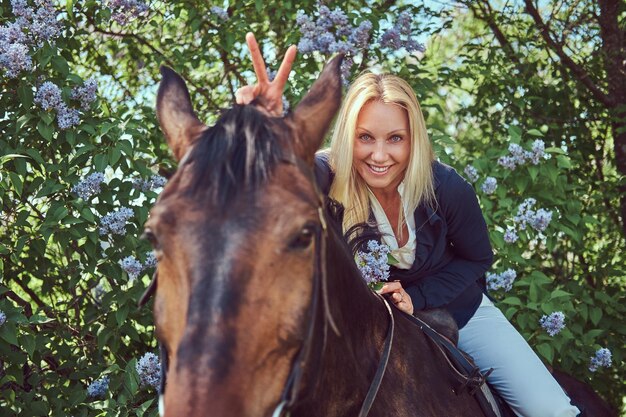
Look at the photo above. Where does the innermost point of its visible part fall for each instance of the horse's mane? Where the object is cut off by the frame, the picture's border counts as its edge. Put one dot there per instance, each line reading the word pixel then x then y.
pixel 237 153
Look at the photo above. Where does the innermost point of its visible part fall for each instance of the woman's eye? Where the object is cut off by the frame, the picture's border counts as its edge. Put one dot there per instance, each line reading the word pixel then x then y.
pixel 395 139
pixel 365 138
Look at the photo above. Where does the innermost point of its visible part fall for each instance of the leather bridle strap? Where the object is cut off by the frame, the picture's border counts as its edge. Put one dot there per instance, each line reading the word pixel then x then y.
pixel 382 365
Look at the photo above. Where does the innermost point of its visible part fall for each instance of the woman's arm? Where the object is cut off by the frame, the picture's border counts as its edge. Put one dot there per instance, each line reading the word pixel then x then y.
pixel 469 240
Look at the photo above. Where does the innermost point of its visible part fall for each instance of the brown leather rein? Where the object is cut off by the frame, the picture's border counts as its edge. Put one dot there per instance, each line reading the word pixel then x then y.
pixel 289 395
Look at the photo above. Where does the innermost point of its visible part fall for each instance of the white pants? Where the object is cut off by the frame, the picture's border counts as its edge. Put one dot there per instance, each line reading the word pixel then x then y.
pixel 519 375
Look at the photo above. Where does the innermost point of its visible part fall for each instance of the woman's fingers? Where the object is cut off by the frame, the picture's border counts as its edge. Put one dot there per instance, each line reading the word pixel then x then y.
pixel 285 68
pixel 245 95
pixel 257 59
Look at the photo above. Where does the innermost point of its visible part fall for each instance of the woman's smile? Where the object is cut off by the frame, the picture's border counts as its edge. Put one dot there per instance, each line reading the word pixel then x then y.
pixel 382 145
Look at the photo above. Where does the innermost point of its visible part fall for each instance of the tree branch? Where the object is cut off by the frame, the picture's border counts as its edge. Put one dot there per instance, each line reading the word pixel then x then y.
pixel 577 70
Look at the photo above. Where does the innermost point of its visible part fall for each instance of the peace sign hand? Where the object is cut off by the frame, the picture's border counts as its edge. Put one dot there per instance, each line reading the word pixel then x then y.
pixel 269 94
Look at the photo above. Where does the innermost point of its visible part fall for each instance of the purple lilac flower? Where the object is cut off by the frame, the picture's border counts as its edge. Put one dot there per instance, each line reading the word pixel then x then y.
pixel 286 105
pixel 510 236
pixel 373 264
pixel 48 96
pixel 331 32
pixel 132 267
pixel 489 186
pixel 20 8
pixel 15 59
pixel 503 280
pixel 360 35
pixel 219 12
pixel 391 39
pixel 86 93
pixel 44 25
pixel 11 33
pixel 3 317
pixel 538 151
pixel 399 36
pixel 154 182
pixel 124 11
pixel 471 173
pixel 98 388
pixel 67 117
pixel 151 260
pixel 115 221
pixel 517 153
pixel 553 323
pixel 149 370
pixel 541 219
pixel 346 67
pixel 525 213
pixel 507 162
pixel 603 358
pixel 89 186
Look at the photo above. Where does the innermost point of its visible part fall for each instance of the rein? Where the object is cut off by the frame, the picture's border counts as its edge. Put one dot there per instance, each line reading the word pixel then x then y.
pixel 289 395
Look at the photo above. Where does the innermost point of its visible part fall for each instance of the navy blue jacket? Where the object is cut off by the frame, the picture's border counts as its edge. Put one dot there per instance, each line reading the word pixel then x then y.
pixel 452 250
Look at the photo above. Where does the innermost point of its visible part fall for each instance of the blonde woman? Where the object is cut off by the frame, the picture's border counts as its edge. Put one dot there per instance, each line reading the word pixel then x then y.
pixel 381 166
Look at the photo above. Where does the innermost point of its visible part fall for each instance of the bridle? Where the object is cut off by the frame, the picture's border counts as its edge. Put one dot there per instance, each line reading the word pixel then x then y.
pixel 289 395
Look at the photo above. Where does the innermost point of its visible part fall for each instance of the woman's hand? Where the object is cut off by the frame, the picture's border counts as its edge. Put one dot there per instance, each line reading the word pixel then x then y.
pixel 269 94
pixel 399 297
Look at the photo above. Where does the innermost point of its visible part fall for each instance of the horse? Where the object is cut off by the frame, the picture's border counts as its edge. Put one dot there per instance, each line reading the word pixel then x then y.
pixel 259 307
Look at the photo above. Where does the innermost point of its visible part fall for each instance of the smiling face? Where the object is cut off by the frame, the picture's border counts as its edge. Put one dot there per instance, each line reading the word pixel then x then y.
pixel 382 145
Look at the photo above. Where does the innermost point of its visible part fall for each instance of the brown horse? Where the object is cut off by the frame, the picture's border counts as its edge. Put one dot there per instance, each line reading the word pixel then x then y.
pixel 254 320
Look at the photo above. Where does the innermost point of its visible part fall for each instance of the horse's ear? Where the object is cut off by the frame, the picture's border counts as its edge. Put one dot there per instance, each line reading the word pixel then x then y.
pixel 315 112
pixel 175 113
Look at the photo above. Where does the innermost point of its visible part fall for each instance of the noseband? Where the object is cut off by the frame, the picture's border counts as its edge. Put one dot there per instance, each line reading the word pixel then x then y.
pixel 289 396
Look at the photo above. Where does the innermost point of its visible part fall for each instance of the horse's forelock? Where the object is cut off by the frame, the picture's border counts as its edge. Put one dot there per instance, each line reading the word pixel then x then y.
pixel 238 153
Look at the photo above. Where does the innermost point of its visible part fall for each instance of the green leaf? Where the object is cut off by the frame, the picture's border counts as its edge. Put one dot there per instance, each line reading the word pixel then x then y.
pixel 121 314
pixel 534 132
pixel 8 332
pixel 45 130
pixel 100 162
pixel 515 133
pixel 563 161
pixel 60 64
pixel 25 93
pixel 595 314
pixel 16 180
pixel 391 260
pixel 559 293
pixel 547 351
pixel 28 343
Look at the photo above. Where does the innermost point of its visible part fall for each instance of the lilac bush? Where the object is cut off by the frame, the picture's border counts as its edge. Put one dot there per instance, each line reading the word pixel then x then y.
pixel 149 370
pixel 374 264
pixel 602 358
pixel 489 186
pixel 553 323
pixel 89 186
pixel 125 11
pixel 98 388
pixel 504 280
pixel 471 173
pixel 132 267
pixel 115 221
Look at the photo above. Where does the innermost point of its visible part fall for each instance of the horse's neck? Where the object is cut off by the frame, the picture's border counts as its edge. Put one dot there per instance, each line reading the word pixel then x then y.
pixel 362 321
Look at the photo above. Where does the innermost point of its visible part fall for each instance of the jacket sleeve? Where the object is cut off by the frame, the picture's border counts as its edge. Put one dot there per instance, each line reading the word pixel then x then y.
pixel 469 244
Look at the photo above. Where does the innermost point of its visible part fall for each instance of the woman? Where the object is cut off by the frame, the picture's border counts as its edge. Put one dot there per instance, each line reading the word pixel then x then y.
pixel 380 163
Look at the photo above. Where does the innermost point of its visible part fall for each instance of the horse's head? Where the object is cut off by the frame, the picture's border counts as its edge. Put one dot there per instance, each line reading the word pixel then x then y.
pixel 234 234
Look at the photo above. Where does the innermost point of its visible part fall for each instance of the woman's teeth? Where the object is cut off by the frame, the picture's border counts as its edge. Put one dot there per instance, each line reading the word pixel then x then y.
pixel 379 169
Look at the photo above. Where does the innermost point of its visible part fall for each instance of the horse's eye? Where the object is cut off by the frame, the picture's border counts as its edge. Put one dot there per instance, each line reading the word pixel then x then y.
pixel 150 237
pixel 304 238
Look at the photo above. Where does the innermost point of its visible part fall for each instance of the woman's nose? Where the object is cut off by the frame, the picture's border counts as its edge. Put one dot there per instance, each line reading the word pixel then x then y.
pixel 379 153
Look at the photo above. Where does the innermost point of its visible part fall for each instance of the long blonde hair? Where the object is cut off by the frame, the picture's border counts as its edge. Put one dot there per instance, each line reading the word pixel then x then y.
pixel 348 187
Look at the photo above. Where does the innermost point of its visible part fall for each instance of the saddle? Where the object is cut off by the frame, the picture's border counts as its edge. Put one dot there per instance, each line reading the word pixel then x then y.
pixel 466 374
